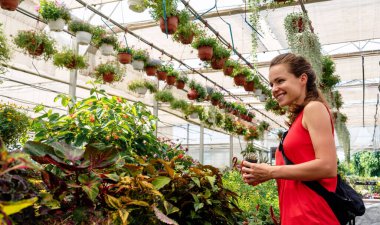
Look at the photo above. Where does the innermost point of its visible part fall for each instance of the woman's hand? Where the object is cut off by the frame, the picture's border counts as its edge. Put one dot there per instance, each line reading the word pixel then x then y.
pixel 255 174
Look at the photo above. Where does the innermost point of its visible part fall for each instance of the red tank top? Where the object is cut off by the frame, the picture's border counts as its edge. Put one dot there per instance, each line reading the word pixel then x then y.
pixel 299 205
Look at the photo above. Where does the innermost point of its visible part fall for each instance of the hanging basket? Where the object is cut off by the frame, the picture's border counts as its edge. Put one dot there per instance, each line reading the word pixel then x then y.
pixel 217 64
pixel 214 102
pixel 172 22
pixel 136 5
pixel 150 70
pixel 258 92
pixel 106 49
pixel 161 75
pixel 83 37
pixel 262 98
pixel 180 84
pixel 108 77
pixel 298 24
pixel 249 86
pixel 186 40
pixel 10 5
pixel 192 94
pixel 56 25
pixel 194 115
pixel 239 79
pixel 124 58
pixel 138 64
pixel 227 70
pixel 141 90
pixel 37 51
pixel 205 53
pixel 170 80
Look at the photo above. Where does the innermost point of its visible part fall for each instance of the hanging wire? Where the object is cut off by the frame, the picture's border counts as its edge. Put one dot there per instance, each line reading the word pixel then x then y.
pixel 229 25
pixel 199 16
pixel 165 18
pixel 245 20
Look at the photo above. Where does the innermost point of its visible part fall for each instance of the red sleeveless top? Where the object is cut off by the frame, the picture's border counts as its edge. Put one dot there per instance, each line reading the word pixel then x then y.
pixel 299 205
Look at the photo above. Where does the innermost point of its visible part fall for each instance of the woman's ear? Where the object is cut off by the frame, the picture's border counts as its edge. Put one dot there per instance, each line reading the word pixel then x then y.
pixel 304 78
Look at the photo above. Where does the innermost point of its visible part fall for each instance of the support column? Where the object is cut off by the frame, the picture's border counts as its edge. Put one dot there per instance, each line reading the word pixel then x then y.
pixel 155 109
pixel 73 75
pixel 187 135
pixel 201 144
pixel 231 149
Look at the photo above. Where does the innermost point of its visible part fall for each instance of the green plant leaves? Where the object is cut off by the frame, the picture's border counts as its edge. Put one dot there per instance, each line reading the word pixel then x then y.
pixel 100 155
pixel 90 185
pixel 160 181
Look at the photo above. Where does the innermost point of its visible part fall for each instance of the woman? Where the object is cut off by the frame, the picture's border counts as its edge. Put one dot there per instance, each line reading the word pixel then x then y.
pixel 309 144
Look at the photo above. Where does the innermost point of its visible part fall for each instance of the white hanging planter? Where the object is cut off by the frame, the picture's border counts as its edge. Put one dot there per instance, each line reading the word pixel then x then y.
pixel 106 49
pixel 83 37
pixel 56 25
pixel 194 115
pixel 262 98
pixel 138 64
pixel 258 92
pixel 136 5
pixel 141 90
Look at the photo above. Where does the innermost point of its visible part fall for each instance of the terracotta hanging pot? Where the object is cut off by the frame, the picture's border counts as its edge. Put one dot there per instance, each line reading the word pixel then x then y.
pixel 180 84
pixel 161 75
pixel 124 58
pixel 192 94
pixel 217 64
pixel 170 80
pixel 239 79
pixel 186 40
pixel 37 51
pixel 249 86
pixel 205 53
pixel 150 70
pixel 214 102
pixel 234 112
pixel 10 5
pixel 221 105
pixel 227 70
pixel 172 22
pixel 108 77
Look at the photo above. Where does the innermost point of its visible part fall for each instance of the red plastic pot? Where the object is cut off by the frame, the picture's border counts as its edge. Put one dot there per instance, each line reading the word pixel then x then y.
pixel 186 40
pixel 124 58
pixel 10 5
pixel 172 22
pixel 180 84
pixel 150 70
pixel 249 86
pixel 161 75
pixel 205 53
pixel 108 77
pixel 170 80
pixel 217 64
pixel 192 94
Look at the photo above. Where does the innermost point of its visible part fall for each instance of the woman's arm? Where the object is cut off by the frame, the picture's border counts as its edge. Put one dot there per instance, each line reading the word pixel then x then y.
pixel 316 120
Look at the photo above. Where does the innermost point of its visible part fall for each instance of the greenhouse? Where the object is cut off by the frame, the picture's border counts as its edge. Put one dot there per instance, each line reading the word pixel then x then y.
pixel 189 112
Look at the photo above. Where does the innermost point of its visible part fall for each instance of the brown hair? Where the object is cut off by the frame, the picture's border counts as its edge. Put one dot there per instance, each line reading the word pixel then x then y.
pixel 298 65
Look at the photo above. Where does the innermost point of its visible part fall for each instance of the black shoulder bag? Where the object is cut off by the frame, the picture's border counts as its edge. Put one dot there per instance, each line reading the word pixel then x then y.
pixel 346 203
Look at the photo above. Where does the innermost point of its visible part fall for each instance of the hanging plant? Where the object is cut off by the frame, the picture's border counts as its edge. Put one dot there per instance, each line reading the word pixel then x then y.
pixel 216 97
pixel 5 52
pixel 69 60
pixel 10 5
pixel 83 31
pixel 107 44
pixel 55 13
pixel 168 12
pixel 36 43
pixel 328 79
pixel 219 56
pixel 164 96
pixel 186 33
pixel 240 75
pixel 197 91
pixel 193 111
pixel 139 57
pixel 141 86
pixel 124 55
pixel 179 105
pixel 172 77
pixel 250 82
pixel 151 67
pixel 109 72
pixel 163 70
pixel 205 46
pixel 97 34
pixel 181 81
pixel 229 67
pixel 273 106
pixel 137 6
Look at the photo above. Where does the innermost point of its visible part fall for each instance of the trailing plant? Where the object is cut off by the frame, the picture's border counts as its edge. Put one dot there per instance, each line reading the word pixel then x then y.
pixel 5 52
pixel 124 50
pixel 242 71
pixel 67 58
pixel 97 34
pixel 33 41
pixel 53 10
pixel 14 125
pixel 328 78
pixel 254 19
pixel 166 68
pixel 204 41
pixel 173 73
pixel 200 90
pixel 109 72
pixel 164 96
pixel 140 54
pixel 107 39
pixel 219 52
pixel 135 84
pixel 183 78
pixel 76 25
pixel 193 109
pixel 179 104
pixel 186 30
pixel 217 96
pixel 343 134
pixel 157 10
pixel 232 63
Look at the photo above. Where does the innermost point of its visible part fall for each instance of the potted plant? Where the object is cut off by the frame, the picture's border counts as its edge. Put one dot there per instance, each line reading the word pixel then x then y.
pixel 240 75
pixel 205 46
pixel 14 124
pixel 181 81
pixel 124 55
pixel 272 105
pixel 251 82
pixel 163 70
pixel 35 43
pixel 186 32
pixel 171 77
pixel 10 5
pixel 55 13
pixel 5 51
pixel 138 6
pixel 69 60
pixel 107 44
pixel 109 72
pixel 151 66
pixel 97 33
pixel 296 22
pixel 194 111
pixel 179 104
pixel 164 96
pixel 197 91
pixel 141 86
pixel 216 97
pixel 139 57
pixel 167 14
pixel 229 67
pixel 82 30
pixel 219 57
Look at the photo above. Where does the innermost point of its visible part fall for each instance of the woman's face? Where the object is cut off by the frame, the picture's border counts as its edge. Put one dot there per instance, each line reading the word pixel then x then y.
pixel 286 87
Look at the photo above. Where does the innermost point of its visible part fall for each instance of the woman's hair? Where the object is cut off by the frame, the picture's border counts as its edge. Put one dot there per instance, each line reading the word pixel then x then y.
pixel 298 65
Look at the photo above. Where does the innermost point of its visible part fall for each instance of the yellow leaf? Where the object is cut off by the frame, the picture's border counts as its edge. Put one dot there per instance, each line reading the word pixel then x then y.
pixel 10 208
pixel 113 202
pixel 123 216
pixel 136 202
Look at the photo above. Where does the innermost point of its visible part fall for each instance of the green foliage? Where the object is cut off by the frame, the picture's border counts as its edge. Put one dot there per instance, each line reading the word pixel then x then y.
pixel 107 39
pixel 179 104
pixel 272 105
pixel 185 30
pixel 32 40
pixel 75 26
pixel 166 68
pixel 232 63
pixel 183 78
pixel 157 8
pixel 204 41
pixel 52 10
pixel 366 163
pixel 140 54
pixel 242 71
pixel 164 96
pixel 173 73
pixel 202 93
pixel 125 50
pixel 216 95
pixel 255 202
pixel 67 58
pixel 14 124
pixel 193 109
pixel 328 79
pixel 152 63
pixel 109 68
pixel 135 84
pixel 97 33
pixel 5 52
pixel 220 52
